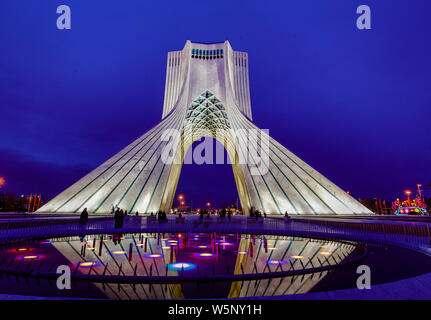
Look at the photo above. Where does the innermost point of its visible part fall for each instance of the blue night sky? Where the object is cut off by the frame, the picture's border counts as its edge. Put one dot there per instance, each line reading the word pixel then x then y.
pixel 355 105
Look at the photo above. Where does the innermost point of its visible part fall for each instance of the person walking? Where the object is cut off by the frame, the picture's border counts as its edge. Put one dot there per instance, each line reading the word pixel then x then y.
pixel 83 217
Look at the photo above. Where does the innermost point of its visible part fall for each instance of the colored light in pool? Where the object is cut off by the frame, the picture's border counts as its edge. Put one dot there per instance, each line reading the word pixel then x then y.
pixel 23 249
pixel 276 262
pixel 297 257
pixel 87 264
pixel 324 253
pixel 178 266
pixel 30 257
pixel 119 252
pixel 202 247
pixel 153 255
pixel 205 255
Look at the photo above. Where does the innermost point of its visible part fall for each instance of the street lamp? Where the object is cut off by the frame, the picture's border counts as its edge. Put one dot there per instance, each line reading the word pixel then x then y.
pixel 408 193
pixel 181 201
pixel 2 181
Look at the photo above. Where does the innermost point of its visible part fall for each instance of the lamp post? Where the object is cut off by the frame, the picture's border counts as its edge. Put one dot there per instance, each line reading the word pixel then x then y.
pixel 181 202
pixel 408 193
pixel 420 191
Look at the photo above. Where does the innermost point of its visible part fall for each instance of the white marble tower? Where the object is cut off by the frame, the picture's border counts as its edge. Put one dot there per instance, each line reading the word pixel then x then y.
pixel 207 94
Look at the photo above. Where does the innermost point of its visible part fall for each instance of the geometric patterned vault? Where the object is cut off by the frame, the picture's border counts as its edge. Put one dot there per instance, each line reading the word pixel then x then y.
pixel 205 115
pixel 207 94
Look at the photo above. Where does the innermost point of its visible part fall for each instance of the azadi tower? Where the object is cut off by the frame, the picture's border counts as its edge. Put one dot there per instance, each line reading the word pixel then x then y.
pixel 207 95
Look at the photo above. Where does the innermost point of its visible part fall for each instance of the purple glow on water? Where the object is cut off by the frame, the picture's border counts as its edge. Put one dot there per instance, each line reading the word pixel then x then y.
pixel 88 264
pixel 178 266
pixel 276 262
pixel 205 255
pixel 154 256
pixel 30 257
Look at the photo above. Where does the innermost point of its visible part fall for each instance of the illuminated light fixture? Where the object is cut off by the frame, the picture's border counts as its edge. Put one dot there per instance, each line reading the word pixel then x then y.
pixel 202 247
pixel 178 266
pixel 276 262
pixel 87 264
pixel 297 257
pixel 46 242
pixel 140 244
pixel 119 252
pixel 153 255
pixel 23 249
pixel 324 253
pixel 166 248
pixel 205 255
pixel 273 248
pixel 30 257
pixel 242 252
pixel 90 248
pixel 225 243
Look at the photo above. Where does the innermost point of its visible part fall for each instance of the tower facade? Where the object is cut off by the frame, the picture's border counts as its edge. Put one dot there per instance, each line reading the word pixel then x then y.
pixel 206 95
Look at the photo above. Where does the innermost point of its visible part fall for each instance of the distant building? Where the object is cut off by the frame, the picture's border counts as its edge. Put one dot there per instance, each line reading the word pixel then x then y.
pixel 22 203
pixel 378 206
